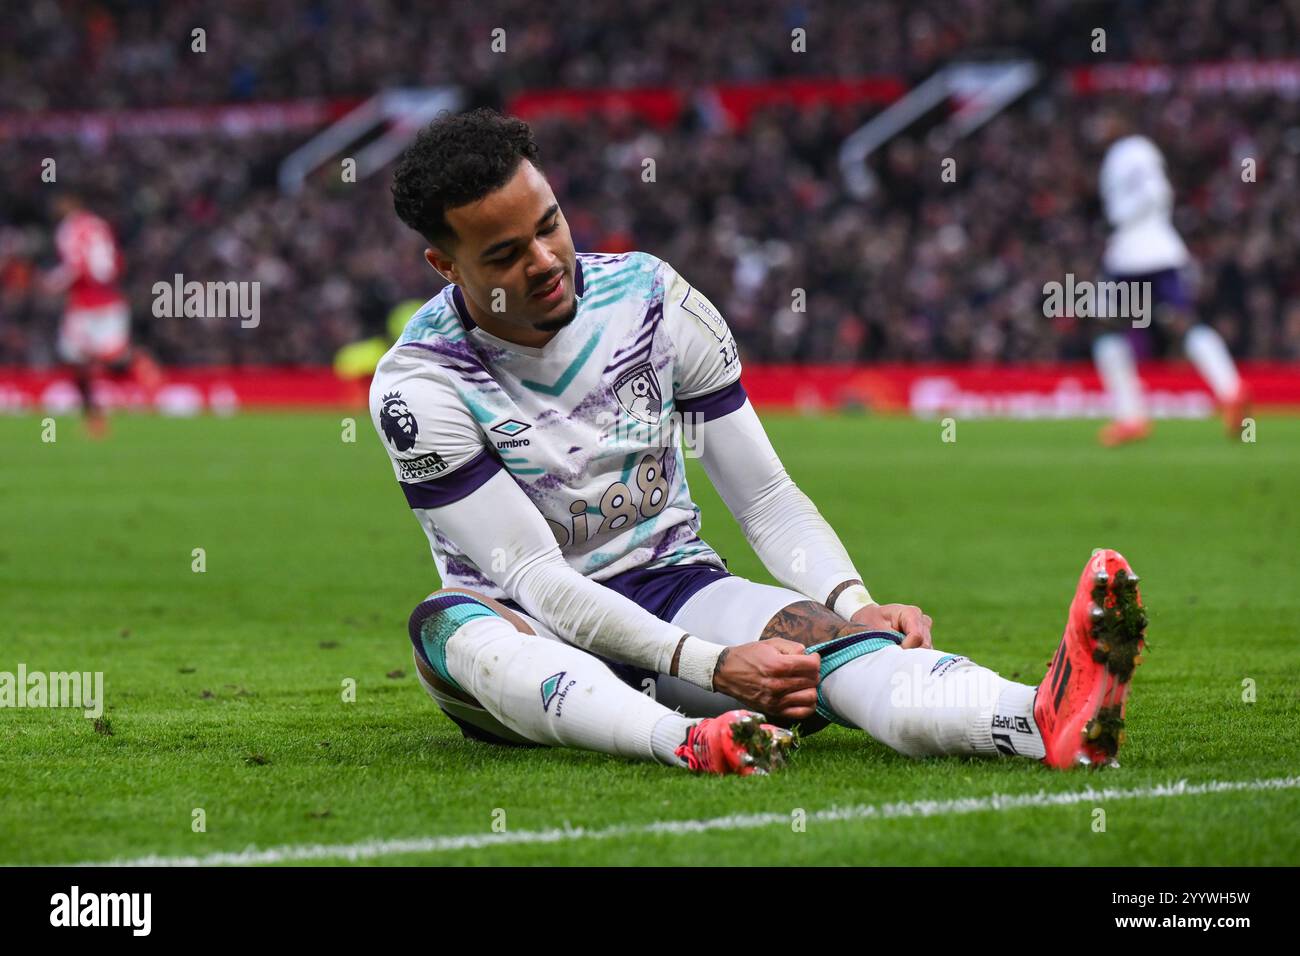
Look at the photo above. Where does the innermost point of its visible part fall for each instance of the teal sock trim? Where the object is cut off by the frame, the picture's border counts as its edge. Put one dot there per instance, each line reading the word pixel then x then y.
pixel 839 651
pixel 437 629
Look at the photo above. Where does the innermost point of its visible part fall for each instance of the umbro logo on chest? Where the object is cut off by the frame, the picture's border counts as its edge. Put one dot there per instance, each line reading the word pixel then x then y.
pixel 510 429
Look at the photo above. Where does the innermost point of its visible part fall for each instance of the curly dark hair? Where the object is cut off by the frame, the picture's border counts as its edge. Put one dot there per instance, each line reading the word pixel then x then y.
pixel 455 160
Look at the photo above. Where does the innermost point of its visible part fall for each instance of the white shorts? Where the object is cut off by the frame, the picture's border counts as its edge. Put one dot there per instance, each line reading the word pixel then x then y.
pixel 95 335
pixel 730 610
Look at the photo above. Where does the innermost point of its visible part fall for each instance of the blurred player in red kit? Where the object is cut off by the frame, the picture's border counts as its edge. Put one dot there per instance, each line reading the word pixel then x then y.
pixel 95 333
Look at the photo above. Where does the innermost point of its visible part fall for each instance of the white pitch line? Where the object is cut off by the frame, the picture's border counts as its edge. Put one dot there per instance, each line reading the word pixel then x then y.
pixel 372 849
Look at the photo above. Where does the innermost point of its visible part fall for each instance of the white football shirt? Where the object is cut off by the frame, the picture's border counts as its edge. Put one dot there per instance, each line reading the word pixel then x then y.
pixel 589 425
pixel 1139 205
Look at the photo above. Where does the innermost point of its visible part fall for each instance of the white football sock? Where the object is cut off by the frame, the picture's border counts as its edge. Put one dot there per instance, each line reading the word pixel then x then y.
pixel 921 701
pixel 670 733
pixel 1117 366
pixel 552 693
pixel 1014 730
pixel 1208 352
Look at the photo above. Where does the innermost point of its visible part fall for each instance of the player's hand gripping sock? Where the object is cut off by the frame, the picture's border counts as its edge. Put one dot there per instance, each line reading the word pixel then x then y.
pixel 736 742
pixel 1079 706
pixel 545 691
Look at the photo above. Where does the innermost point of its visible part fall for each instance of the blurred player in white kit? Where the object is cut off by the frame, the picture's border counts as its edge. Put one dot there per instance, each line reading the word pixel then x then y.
pixel 1145 247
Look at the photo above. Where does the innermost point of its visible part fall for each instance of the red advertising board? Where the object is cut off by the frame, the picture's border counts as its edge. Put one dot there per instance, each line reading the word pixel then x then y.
pixel 964 391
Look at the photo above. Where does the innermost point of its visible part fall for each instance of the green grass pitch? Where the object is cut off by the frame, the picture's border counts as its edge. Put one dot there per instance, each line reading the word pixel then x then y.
pixel 224 688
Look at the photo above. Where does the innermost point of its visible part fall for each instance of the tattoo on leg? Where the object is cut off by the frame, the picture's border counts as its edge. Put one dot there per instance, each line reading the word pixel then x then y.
pixel 807 623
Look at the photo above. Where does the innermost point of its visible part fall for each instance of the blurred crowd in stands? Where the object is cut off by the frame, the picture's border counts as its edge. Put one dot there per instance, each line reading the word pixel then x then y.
pixel 925 269
pixel 76 54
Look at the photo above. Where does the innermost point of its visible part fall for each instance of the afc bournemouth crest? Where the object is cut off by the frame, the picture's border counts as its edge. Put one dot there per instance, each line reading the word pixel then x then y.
pixel 637 391
pixel 398 422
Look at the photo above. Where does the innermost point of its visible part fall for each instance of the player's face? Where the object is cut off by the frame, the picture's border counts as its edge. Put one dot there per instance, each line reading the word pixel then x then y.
pixel 514 259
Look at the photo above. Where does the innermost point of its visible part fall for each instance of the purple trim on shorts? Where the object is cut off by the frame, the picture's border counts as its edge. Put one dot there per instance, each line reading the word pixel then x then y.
pixel 715 404
pixel 662 591
pixel 1167 286
pixel 436 492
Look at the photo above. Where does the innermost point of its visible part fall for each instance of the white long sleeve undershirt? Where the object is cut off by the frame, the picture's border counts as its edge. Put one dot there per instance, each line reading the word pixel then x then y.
pixel 783 526
pixel 785 529
pixel 534 573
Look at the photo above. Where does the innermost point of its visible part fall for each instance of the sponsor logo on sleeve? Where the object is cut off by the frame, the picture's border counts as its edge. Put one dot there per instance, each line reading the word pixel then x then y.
pixel 400 427
pixel 418 469
pixel 698 306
